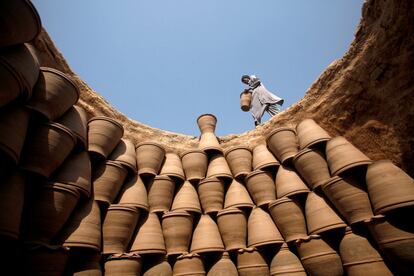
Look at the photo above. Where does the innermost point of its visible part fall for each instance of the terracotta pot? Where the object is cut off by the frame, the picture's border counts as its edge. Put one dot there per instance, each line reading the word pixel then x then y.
pixel 207 123
pixel 318 258
pixel 359 257
pixel 286 263
pixel 125 264
pixel 223 267
pixel 83 228
pixel 282 143
pixel 150 157
pixel 177 227
pixel 84 263
pixel 159 268
pixel 118 228
pixel 189 265
pixel 319 216
pixel 251 263
pixel 206 236
pixel 389 187
pixel 232 224
pixel 161 193
pixel 288 183
pixel 134 193
pixel 237 196
pixel 211 194
pixel 342 156
pixel 104 134
pixel 22 28
pixel 76 120
pixel 48 211
pixel 312 166
pixel 310 134
pixel 173 167
pixel 45 260
pixel 186 199
pixel 289 219
pixel 124 153
pixel 53 94
pixel 108 180
pixel 261 229
pixel 209 143
pixel 348 198
pixel 12 191
pixel 149 238
pixel 261 187
pixel 194 164
pixel 245 99
pixel 263 159
pixel 240 160
pixel 76 170
pixel 218 167
pixel 46 148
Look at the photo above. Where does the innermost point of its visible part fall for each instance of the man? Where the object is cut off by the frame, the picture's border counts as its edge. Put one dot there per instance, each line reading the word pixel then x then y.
pixel 262 99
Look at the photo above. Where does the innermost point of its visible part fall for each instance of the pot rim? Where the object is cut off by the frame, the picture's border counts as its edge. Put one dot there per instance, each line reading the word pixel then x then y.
pixel 64 76
pixel 108 119
pixel 209 179
pixel 230 210
pixel 123 207
pixel 254 173
pixel 286 128
pixel 192 151
pixel 163 177
pixel 245 92
pixel 331 181
pixel 279 201
pixel 37 18
pixel 176 213
pixel 63 128
pixel 302 152
pixel 115 164
pixel 150 143
pixel 207 114
pixel 233 148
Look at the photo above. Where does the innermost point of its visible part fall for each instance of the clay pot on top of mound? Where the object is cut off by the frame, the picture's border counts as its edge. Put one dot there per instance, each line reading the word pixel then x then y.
pixel 289 184
pixel 206 236
pixel 149 238
pixel 134 193
pixel 207 123
pixel 237 196
pixel 123 264
pixel 189 264
pixel 177 228
pixel 219 168
pixel 173 167
pixel 261 187
pixel 262 230
pixel 224 266
pixel 161 193
pixel 263 159
pixel 195 164
pixel 76 120
pixel 150 157
pixel 211 194
pixel 239 159
pixel 286 263
pixel 186 199
pixel 245 100
pixel 208 140
pixel 232 223
pixel 124 153
pixel 310 134
pixel 282 143
pixel 251 262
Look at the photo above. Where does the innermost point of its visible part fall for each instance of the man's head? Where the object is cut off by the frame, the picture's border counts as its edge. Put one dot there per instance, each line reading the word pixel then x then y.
pixel 245 79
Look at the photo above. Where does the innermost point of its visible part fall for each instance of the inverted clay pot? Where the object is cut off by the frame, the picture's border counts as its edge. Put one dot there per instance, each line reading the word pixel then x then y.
pixel 250 262
pixel 189 265
pixel 232 223
pixel 186 199
pixel 124 153
pixel 237 196
pixel 134 193
pixel 224 267
pixel 159 268
pixel 209 143
pixel 206 236
pixel 127 264
pixel 312 166
pixel 288 183
pixel 245 100
pixel 342 156
pixel 310 134
pixel 150 157
pixel 76 120
pixel 261 187
pixel 194 164
pixel 218 167
pixel 161 193
pixel 44 259
pixel 261 229
pixel 211 194
pixel 282 143
pixel 177 228
pixel 84 263
pixel 389 187
pixel 118 228
pixel 173 167
pixel 349 199
pixel 104 133
pixel 239 159
pixel 289 218
pixel 285 263
pixel 263 159
pixel 149 238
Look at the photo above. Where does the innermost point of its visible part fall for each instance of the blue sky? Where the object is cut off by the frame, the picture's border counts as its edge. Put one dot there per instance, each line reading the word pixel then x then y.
pixel 164 63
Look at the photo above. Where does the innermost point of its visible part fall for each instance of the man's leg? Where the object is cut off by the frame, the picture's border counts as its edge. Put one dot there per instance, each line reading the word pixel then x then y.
pixel 273 109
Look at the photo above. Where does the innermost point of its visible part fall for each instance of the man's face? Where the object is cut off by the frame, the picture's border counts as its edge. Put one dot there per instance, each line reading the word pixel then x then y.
pixel 246 80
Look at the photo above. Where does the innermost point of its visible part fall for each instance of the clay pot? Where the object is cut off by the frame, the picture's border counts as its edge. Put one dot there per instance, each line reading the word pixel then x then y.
pixel 161 193
pixel 134 193
pixel 104 134
pixel 194 164
pixel 76 120
pixel 263 159
pixel 223 267
pixel 189 265
pixel 359 257
pixel 232 224
pixel 282 143
pixel 177 227
pixel 310 134
pixel 245 99
pixel 53 94
pixel 84 263
pixel 173 167
pixel 45 260
pixel 319 216
pixel 48 211
pixel 237 196
pixel 76 170
pixel 186 199
pixel 251 263
pixel 108 180
pixel 124 153
pixel 207 123
pixel 150 157
pixel 118 228
pixel 159 268
pixel 342 156
pixel 389 187
pixel 206 236
pixel 125 264
pixel 289 219
pixel 348 198
pixel 83 228
pixel 46 148
pixel 219 168
pixel 211 194
pixel 240 160
pixel 209 143
pixel 11 204
pixel 288 183
pixel 149 238
pixel 261 187
pixel 261 229
pixel 286 263
pixel 18 29
pixel 312 166
pixel 318 258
